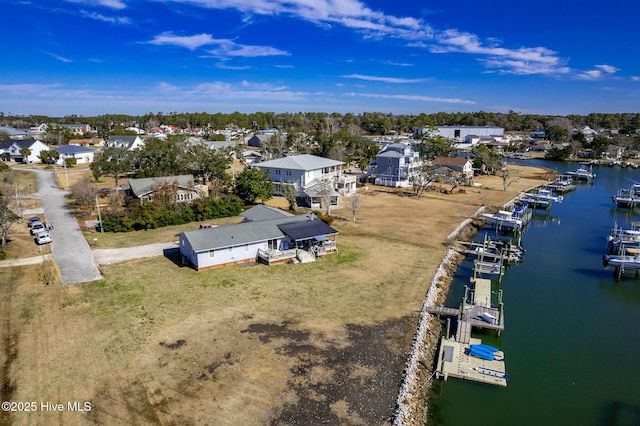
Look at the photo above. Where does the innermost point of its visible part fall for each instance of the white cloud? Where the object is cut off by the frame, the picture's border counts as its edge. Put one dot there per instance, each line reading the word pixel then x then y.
pixel 229 48
pixel 113 4
pixel 226 48
pixel 384 79
pixel 100 17
pixel 190 42
pixel 399 64
pixel 58 57
pixel 598 73
pixel 349 13
pixel 417 98
pixel 635 78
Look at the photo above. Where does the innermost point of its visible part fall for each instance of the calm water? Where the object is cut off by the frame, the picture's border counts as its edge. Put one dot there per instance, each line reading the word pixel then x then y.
pixel 572 332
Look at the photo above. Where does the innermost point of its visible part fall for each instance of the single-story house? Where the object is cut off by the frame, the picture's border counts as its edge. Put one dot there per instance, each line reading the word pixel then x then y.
pixel 458 164
pixel 186 190
pixel 81 154
pixel 13 133
pixel 267 235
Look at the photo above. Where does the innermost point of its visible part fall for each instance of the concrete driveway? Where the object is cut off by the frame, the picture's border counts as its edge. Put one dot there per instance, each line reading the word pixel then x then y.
pixel 70 250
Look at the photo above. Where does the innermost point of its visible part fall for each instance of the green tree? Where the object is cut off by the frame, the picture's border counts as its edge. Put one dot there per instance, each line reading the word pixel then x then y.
pixel 559 153
pixel 432 146
pixel 487 160
pixel 70 161
pixel 48 157
pixel 159 158
pixel 556 133
pixel 253 184
pixel 111 162
pixel 25 152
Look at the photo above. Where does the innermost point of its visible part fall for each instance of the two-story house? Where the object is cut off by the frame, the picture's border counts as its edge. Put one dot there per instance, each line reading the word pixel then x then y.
pixel 11 150
pixel 396 164
pixel 128 142
pixel 313 178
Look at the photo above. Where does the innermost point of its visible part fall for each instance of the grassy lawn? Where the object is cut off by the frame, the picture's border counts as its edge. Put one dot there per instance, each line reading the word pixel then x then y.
pixel 149 236
pixel 26 180
pixel 157 343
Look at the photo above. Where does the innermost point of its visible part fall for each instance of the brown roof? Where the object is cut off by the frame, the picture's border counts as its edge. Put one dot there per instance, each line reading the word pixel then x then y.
pixel 450 161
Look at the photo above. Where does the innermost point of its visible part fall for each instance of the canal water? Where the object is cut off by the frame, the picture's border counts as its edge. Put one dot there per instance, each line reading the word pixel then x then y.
pixel 572 331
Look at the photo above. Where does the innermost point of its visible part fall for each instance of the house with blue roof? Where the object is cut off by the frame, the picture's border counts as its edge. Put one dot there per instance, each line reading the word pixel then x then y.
pixel 81 154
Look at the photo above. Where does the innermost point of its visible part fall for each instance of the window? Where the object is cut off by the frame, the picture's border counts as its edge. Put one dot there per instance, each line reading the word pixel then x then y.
pixel 278 172
pixel 246 247
pixel 288 172
pixel 212 254
pixel 388 160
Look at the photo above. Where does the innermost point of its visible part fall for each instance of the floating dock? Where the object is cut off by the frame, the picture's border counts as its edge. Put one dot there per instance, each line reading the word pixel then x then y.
pixel 454 360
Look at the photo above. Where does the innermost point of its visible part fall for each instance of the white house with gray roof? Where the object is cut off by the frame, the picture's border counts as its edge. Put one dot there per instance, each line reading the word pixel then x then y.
pixel 307 173
pixel 128 142
pixel 267 235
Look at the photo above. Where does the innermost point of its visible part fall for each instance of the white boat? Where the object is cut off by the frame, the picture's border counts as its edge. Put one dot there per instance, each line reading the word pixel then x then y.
pixel 583 174
pixel 542 198
pixel 506 220
pixel 630 262
pixel 627 197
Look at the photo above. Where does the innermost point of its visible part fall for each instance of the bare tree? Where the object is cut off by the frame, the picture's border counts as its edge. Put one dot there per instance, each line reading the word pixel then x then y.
pixel 326 194
pixel 7 218
pixel 165 193
pixel 338 152
pixel 355 204
pixel 506 182
pixel 85 195
pixel 116 202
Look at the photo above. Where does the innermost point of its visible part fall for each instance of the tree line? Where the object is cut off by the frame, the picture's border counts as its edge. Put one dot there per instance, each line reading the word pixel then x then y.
pixel 369 123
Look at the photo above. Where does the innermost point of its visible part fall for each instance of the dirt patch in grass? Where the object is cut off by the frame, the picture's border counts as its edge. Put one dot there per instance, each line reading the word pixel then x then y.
pixel 323 342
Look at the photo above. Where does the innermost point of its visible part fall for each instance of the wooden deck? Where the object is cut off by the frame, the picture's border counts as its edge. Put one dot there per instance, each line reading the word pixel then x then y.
pixel 454 361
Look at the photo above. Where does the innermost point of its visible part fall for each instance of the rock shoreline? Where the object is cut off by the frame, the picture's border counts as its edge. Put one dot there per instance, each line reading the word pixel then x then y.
pixel 411 404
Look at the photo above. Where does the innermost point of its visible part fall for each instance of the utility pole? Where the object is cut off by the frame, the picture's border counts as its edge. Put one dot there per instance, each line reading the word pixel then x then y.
pixel 99 216
pixel 18 201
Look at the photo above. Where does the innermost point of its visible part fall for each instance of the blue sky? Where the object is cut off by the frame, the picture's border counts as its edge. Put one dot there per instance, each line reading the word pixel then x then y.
pixel 91 57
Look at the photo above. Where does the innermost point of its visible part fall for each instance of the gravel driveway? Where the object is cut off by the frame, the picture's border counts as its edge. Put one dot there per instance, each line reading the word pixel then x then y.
pixel 111 256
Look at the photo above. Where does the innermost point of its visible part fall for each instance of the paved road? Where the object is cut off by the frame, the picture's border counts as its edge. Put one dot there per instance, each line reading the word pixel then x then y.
pixel 70 250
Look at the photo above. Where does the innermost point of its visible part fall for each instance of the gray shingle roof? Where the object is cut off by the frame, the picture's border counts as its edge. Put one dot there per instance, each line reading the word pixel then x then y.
pixel 304 162
pixel 140 187
pixel 240 233
pixel 72 149
pixel 262 212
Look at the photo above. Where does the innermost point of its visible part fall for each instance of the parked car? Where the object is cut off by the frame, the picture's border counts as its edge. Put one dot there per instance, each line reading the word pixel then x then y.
pixel 37 227
pixel 32 220
pixel 43 237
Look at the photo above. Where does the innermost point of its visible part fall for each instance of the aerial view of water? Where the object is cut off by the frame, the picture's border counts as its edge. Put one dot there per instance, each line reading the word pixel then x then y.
pixel 572 331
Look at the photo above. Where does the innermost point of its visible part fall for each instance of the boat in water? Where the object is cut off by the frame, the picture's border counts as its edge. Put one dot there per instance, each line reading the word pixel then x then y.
pixel 627 197
pixel 582 174
pixel 542 198
pixel 509 220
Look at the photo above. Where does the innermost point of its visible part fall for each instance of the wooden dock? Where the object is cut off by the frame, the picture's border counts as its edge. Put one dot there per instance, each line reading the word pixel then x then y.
pixel 454 361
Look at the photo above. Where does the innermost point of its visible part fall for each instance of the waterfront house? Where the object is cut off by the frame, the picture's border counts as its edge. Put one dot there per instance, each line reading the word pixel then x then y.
pixel 396 164
pixel 461 165
pixel 266 235
pixel 309 175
